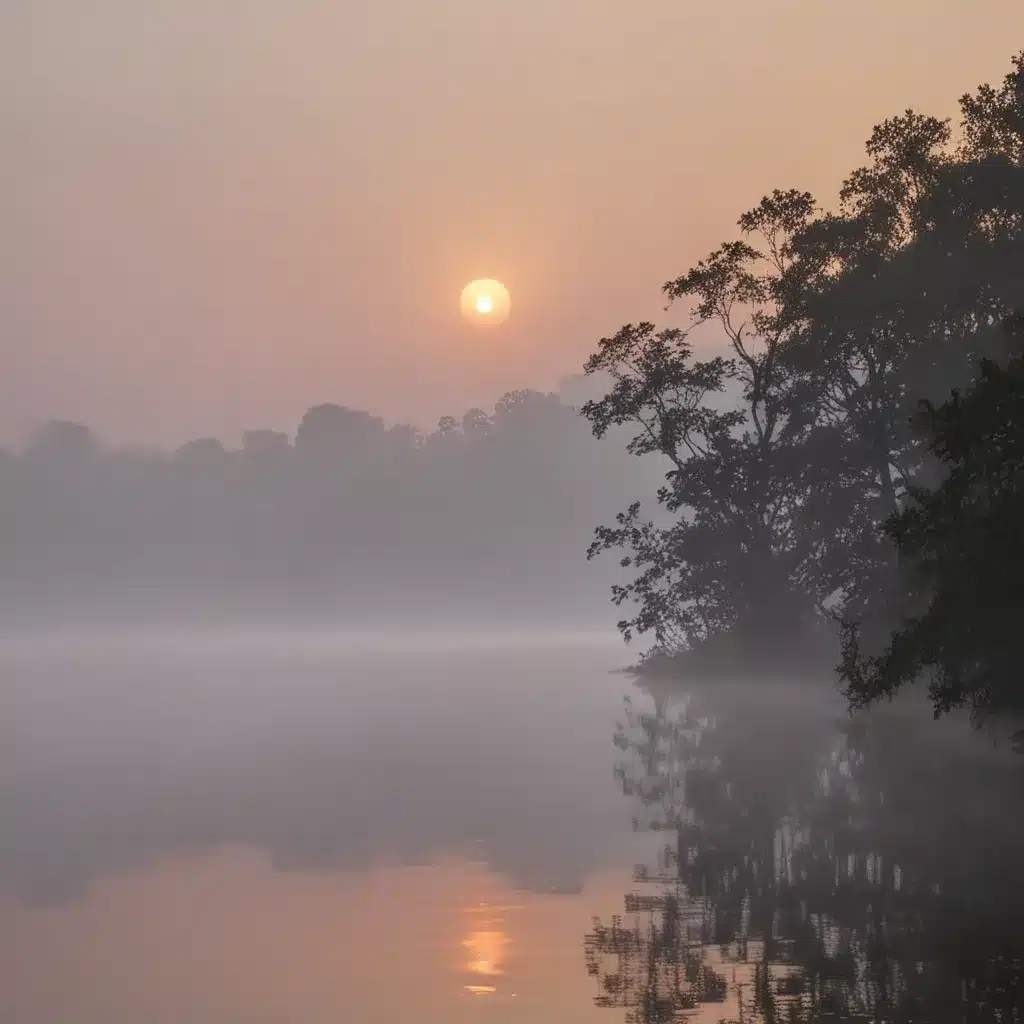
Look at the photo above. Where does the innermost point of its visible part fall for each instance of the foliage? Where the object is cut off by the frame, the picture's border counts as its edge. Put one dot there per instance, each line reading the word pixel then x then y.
pixel 354 518
pixel 731 557
pixel 791 449
pixel 966 543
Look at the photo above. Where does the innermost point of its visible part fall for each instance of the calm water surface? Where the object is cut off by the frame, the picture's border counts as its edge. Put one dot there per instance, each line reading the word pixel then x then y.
pixel 221 834
pixel 438 831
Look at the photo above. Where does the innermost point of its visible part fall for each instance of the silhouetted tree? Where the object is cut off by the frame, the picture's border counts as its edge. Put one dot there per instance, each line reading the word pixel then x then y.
pixel 330 432
pixel 476 423
pixel 954 535
pixel 60 444
pixel 901 292
pixel 447 425
pixel 266 444
pixel 204 452
pixel 733 561
pixel 788 454
pixel 965 540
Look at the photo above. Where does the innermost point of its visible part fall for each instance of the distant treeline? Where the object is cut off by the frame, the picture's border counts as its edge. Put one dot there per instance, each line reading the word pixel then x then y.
pixel 488 515
pixel 870 473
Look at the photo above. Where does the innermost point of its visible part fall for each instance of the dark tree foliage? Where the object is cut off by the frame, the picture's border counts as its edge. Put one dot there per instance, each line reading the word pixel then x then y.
pixel 732 559
pixel 790 449
pixel 965 541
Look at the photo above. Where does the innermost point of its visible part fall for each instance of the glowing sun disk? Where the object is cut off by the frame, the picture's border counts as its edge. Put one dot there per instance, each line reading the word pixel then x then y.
pixel 485 302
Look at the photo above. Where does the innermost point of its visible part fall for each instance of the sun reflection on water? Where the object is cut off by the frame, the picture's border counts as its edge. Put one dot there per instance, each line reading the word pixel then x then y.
pixel 486 949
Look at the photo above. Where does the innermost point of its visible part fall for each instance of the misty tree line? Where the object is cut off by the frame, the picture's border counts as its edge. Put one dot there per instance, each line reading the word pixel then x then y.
pixel 845 334
pixel 490 511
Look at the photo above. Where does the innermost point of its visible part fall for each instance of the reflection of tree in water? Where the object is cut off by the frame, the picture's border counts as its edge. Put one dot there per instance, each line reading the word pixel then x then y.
pixel 864 873
pixel 657 973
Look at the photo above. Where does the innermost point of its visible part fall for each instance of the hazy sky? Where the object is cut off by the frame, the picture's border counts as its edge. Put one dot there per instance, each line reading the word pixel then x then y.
pixel 218 212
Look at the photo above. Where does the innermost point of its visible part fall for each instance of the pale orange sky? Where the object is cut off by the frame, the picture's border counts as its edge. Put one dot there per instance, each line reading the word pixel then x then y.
pixel 218 212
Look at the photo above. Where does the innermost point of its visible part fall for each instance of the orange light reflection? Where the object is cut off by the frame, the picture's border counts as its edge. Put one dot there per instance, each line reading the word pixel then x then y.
pixel 486 946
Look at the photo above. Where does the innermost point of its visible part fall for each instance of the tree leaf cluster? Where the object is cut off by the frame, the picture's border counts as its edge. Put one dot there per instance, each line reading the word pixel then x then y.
pixel 789 409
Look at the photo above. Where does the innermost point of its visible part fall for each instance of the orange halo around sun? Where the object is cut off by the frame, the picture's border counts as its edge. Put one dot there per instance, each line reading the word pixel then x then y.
pixel 485 302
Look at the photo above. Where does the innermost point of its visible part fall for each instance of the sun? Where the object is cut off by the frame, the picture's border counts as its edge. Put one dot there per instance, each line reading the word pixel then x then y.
pixel 485 302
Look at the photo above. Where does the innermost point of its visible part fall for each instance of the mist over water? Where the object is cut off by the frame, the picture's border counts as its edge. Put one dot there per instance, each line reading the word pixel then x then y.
pixel 268 827
pixel 441 775
pixel 315 705
pixel 348 755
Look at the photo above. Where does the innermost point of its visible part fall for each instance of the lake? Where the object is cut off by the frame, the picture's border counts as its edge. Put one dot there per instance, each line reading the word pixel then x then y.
pixel 378 829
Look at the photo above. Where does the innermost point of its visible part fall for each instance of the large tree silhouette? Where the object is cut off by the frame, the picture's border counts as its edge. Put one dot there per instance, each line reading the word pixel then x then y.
pixel 965 542
pixel 791 449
